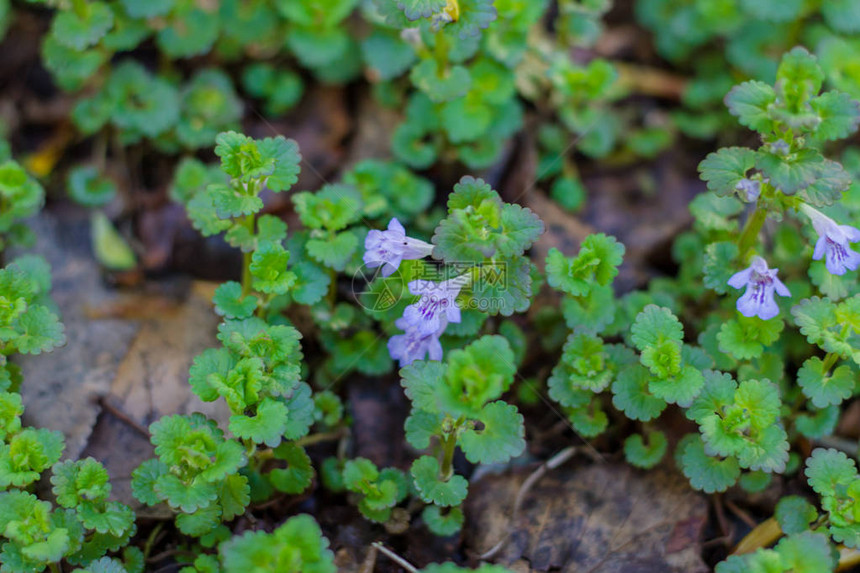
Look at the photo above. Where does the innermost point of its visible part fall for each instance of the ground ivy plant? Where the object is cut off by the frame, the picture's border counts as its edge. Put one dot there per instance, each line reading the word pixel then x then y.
pixel 478 269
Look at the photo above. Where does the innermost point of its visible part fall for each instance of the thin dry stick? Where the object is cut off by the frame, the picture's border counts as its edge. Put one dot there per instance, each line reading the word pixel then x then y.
pixel 536 475
pixel 395 557
pixel 116 412
pixel 369 563
pixel 742 515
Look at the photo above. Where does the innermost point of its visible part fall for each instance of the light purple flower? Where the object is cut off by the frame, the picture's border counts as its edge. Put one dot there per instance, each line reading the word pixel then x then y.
pixel 411 346
pixel 834 242
pixel 388 248
pixel 750 189
pixel 436 307
pixel 760 282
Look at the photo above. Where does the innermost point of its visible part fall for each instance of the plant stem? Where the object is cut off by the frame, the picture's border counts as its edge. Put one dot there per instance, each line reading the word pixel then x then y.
pixel 449 444
pixel 150 541
pixel 441 54
pixel 249 224
pixel 318 438
pixel 81 9
pixel 749 236
pixel 829 361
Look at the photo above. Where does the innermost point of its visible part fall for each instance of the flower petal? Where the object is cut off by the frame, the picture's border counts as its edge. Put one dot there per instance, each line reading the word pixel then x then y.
pixel 820 248
pixel 741 278
pixel 395 226
pixel 781 289
pixel 747 305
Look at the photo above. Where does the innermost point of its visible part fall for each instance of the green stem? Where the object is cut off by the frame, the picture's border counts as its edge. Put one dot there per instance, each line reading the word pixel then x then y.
pixel 449 444
pixel 318 438
pixel 331 295
pixel 262 456
pixel 81 9
pixel 150 541
pixel 749 237
pixel 441 54
pixel 249 224
pixel 55 568
pixel 830 361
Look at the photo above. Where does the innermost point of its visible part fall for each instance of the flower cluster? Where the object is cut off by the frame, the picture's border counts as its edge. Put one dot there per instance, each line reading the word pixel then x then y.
pixel 423 322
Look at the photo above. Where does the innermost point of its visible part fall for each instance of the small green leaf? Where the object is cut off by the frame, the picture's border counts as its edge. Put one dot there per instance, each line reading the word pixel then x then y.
pixel 421 426
pixel 842 15
pixel 839 113
pixel 415 9
pixel 826 469
pixel 794 514
pixel 420 381
pixel 267 426
pixel 387 55
pixel 299 473
pixel 230 303
pixel 89 188
pixel 501 437
pixel 724 169
pixel 824 388
pixel 597 262
pixel 334 252
pixel 143 480
pixel 749 102
pixel 269 269
pixel 707 473
pixel 199 522
pixel 630 394
pixel 312 283
pixel 443 524
pixel 792 173
pixel 432 488
pixel 718 267
pixel 39 330
pixel 745 337
pixel 449 85
pixel 654 325
pixel 79 30
pixel 79 481
pixel 643 455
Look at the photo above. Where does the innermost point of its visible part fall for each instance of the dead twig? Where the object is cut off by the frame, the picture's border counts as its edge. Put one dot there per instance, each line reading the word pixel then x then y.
pixel 741 514
pixel 105 402
pixel 369 563
pixel 395 557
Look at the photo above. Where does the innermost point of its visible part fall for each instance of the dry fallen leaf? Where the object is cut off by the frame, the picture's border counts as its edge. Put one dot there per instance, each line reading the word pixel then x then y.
pixel 152 381
pixel 600 518
pixel 61 389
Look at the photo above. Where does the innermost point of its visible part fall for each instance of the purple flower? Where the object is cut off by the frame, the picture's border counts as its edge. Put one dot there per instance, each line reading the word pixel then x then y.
pixel 750 189
pixel 411 346
pixel 834 242
pixel 388 248
pixel 424 321
pixel 436 307
pixel 760 283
